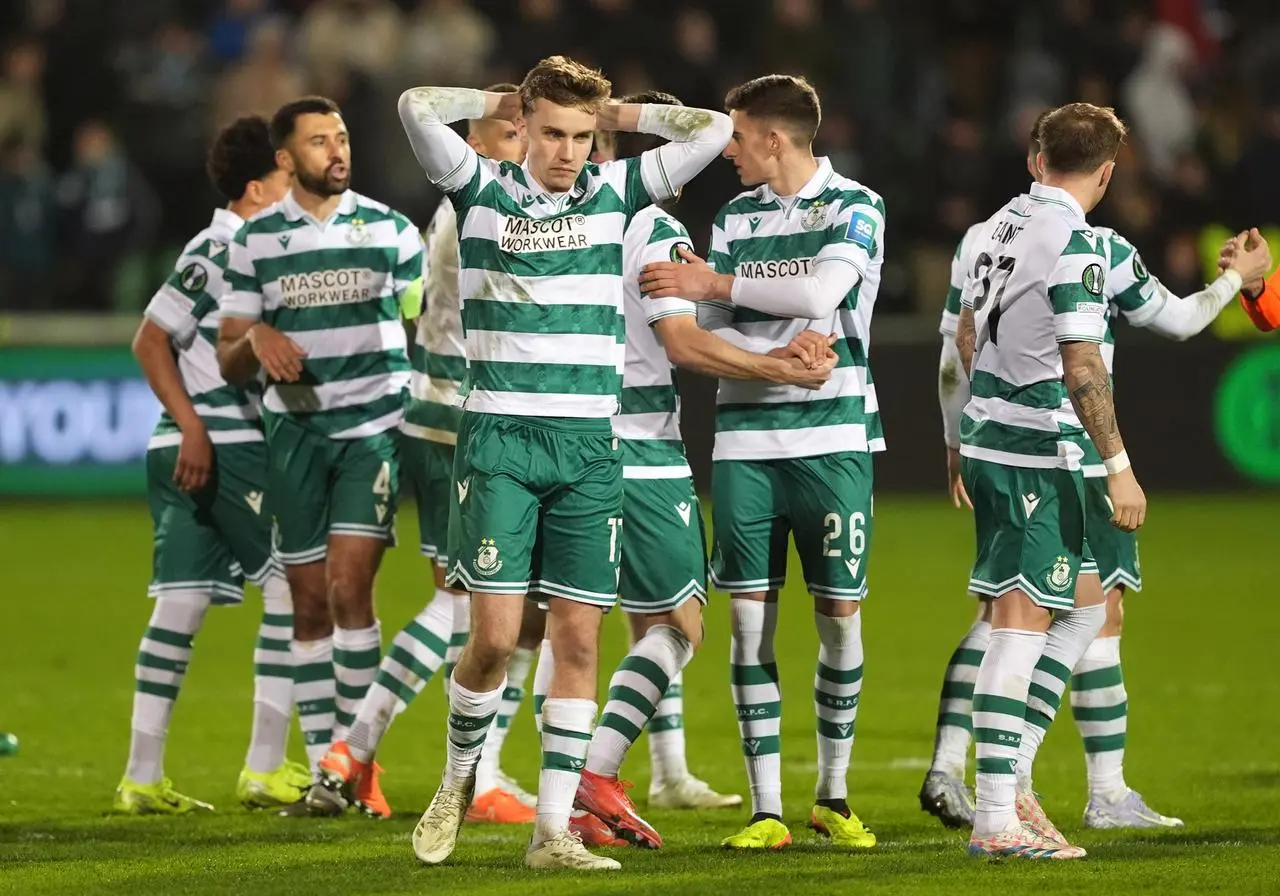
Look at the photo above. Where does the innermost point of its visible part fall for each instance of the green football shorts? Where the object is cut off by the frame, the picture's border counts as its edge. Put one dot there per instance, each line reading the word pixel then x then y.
pixel 664 548
pixel 538 505
pixel 209 542
pixel 1115 552
pixel 427 468
pixel 824 502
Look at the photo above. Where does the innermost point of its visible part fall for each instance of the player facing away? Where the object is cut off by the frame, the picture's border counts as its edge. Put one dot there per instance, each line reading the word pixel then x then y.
pixel 1029 332
pixel 538 473
pixel 799 253
pixel 430 432
pixel 664 561
pixel 206 475
pixel 1098 698
pixel 315 283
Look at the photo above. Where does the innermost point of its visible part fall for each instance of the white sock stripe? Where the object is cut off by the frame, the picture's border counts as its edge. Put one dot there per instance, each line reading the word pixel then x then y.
pixel 164 651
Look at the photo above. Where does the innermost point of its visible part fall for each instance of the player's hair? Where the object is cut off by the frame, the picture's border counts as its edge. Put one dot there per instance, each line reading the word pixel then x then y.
pixel 789 100
pixel 1033 139
pixel 1079 137
pixel 286 117
pixel 629 144
pixel 241 152
pixel 503 87
pixel 562 81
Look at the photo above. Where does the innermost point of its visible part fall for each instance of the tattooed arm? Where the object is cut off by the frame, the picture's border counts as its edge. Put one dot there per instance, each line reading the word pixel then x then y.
pixel 966 338
pixel 1087 383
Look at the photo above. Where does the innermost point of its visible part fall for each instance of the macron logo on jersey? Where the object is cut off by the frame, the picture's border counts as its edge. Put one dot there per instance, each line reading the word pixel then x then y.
pixel 774 269
pixel 339 286
pixel 862 230
pixel 552 235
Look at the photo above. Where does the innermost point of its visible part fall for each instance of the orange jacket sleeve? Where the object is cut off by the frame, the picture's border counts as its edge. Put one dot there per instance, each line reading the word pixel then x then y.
pixel 1264 311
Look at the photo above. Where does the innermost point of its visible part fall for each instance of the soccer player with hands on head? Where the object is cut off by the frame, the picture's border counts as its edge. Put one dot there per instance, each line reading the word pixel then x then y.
pixel 538 473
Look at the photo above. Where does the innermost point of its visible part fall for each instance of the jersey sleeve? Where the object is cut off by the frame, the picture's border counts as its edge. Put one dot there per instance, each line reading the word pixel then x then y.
pixel 243 295
pixel 696 137
pixel 448 161
pixel 856 235
pixel 190 292
pixel 1130 286
pixel 409 259
pixel 665 238
pixel 1076 287
pixel 951 306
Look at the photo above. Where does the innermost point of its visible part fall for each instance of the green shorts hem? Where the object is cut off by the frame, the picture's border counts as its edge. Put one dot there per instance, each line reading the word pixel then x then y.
pixel 774 584
pixel 577 595
pixel 1021 583
pixel 1129 579
pixel 458 575
pixel 693 591
pixel 219 593
pixel 858 594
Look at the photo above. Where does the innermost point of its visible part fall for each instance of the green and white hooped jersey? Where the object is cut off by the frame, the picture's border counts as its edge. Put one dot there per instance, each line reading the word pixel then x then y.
pixel 333 287
pixel 542 284
pixel 761 235
pixel 438 353
pixel 961 269
pixel 186 307
pixel 648 426
pixel 1039 280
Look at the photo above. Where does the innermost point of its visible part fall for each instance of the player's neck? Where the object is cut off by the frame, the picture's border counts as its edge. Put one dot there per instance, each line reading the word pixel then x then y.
pixel 1079 188
pixel 794 172
pixel 318 207
pixel 244 209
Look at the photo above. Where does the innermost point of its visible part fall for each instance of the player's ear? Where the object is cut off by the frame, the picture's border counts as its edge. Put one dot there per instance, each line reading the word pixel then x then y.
pixel 253 191
pixel 1107 168
pixel 284 161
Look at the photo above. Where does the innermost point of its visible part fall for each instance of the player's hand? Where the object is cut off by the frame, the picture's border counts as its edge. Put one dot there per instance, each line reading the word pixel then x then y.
pixel 1250 257
pixel 812 377
pixel 810 346
pixel 691 279
pixel 509 107
pixel 195 459
pixel 955 482
pixel 1128 503
pixel 279 355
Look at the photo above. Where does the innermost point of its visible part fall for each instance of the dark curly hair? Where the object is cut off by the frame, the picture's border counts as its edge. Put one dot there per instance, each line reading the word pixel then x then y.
pixel 242 152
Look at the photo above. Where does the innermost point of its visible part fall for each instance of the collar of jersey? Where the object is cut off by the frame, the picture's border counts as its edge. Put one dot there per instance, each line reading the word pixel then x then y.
pixel 556 200
pixel 295 212
pixel 1057 195
pixel 226 221
pixel 811 189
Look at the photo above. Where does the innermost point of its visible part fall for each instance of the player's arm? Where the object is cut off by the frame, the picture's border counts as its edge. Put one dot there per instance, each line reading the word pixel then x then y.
pixel 426 113
pixel 966 338
pixel 407 278
pixel 695 138
pixel 1145 302
pixel 1263 307
pixel 245 343
pixel 171 317
pixel 1075 290
pixel 853 239
pixel 953 395
pixel 693 348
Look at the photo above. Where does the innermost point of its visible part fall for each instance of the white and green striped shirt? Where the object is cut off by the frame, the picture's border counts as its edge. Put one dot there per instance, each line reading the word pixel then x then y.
pixel 541 281
pixel 648 425
pixel 1038 280
pixel 333 287
pixel 438 353
pixel 760 235
pixel 186 307
pixel 961 269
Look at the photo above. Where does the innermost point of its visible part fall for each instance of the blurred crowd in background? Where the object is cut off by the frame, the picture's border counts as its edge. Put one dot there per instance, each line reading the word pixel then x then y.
pixel 107 108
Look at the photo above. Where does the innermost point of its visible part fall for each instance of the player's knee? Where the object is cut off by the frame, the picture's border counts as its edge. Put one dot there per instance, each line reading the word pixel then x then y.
pixel 311 621
pixel 487 652
pixel 575 650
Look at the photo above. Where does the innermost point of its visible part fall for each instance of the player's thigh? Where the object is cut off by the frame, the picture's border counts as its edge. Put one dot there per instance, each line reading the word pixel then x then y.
pixel 427 476
pixel 299 465
pixel 242 513
pixel 1115 552
pixel 1030 527
pixel 829 505
pixel 748 526
pixel 664 553
pixel 365 486
pixel 493 518
pixel 582 521
pixel 189 554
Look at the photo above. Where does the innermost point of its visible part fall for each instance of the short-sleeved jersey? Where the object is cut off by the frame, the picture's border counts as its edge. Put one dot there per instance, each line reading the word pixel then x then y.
pixel 760 235
pixel 961 267
pixel 186 307
pixel 333 287
pixel 1038 281
pixel 541 284
pixel 648 425
pixel 438 354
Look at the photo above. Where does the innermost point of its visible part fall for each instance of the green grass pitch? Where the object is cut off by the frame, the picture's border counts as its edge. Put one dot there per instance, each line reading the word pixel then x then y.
pixel 1200 660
